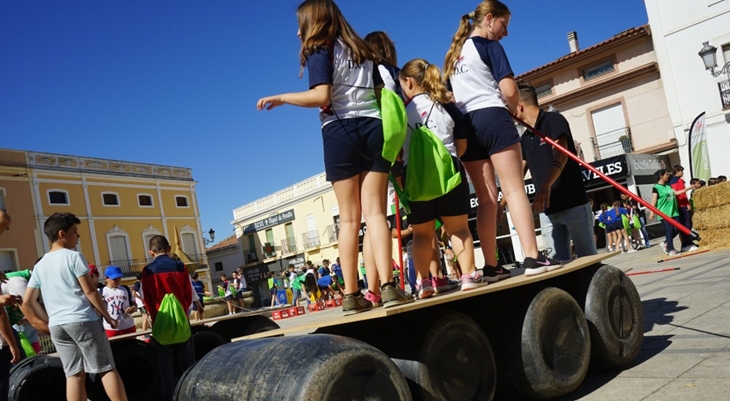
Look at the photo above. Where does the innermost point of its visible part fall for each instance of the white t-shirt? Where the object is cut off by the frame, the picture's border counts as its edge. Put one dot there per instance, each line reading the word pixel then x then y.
pixel 443 120
pixel 14 286
pixel 56 275
pixel 117 301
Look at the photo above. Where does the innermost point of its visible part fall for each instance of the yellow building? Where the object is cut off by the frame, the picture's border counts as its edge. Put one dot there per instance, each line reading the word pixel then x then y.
pixel 19 245
pixel 121 205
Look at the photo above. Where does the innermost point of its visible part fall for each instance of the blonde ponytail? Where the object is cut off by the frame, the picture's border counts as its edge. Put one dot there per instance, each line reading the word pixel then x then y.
pixel 457 43
pixel 428 77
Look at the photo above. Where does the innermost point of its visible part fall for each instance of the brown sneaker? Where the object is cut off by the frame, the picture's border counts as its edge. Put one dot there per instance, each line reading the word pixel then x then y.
pixel 355 303
pixel 392 295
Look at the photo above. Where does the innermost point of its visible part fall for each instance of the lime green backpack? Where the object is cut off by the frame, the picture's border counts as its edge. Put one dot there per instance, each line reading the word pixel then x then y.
pixel 395 124
pixel 431 172
pixel 171 324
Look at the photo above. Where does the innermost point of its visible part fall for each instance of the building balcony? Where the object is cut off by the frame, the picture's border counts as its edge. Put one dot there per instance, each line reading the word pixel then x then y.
pixel 724 87
pixel 331 233
pixel 129 267
pixel 289 245
pixel 612 143
pixel 310 239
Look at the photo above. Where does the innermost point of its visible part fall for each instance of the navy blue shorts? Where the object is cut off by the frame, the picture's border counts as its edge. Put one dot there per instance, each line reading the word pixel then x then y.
pixel 488 131
pixel 615 226
pixel 353 146
pixel 454 203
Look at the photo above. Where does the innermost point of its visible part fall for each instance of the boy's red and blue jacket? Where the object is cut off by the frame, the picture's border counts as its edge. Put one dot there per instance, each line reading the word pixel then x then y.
pixel 165 276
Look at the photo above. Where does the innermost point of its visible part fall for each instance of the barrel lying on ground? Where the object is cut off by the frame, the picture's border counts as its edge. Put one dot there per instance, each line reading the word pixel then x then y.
pixel 447 358
pixel 136 362
pixel 38 378
pixel 304 368
pixel 615 318
pixel 553 352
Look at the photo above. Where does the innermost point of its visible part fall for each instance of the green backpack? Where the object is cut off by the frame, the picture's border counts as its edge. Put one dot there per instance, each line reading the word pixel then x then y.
pixel 431 172
pixel 171 324
pixel 395 124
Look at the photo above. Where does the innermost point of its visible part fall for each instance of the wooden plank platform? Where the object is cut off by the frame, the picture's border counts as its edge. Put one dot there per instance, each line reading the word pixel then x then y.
pixel 375 313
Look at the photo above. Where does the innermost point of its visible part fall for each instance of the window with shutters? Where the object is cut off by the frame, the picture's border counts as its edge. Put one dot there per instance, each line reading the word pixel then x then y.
pixel 188 246
pixel 145 200
pixel 181 201
pixel 110 199
pixel 58 197
pixel 119 254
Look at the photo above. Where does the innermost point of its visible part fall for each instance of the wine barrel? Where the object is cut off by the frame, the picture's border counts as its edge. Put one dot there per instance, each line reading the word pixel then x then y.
pixel 38 378
pixel 451 360
pixel 615 318
pixel 305 368
pixel 553 353
pixel 136 362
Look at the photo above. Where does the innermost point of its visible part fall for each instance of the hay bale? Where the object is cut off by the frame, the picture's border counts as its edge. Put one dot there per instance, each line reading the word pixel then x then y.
pixel 714 239
pixel 714 196
pixel 712 218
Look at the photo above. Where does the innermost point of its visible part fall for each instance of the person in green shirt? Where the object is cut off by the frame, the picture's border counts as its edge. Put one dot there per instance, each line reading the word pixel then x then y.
pixel 664 198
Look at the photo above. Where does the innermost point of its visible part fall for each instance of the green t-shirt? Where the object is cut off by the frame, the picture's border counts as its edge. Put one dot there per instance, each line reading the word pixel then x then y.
pixel 298 282
pixel 666 201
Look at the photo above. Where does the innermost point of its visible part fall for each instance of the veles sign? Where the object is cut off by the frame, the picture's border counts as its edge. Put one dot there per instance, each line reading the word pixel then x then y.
pixel 269 222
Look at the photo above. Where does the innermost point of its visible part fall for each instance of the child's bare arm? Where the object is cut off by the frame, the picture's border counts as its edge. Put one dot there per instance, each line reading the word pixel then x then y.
pixel 91 293
pixel 33 311
pixel 8 337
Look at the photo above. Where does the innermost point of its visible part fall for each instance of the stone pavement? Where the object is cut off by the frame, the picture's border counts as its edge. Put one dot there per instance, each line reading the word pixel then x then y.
pixel 686 350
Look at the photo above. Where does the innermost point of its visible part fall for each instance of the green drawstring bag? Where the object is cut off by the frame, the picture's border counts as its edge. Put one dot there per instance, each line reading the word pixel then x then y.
pixel 27 346
pixel 171 324
pixel 395 123
pixel 431 172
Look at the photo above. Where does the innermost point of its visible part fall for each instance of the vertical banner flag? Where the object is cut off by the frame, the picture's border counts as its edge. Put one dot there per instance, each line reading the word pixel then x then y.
pixel 699 159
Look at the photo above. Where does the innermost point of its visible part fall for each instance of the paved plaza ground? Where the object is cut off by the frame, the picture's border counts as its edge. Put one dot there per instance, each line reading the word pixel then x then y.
pixel 686 349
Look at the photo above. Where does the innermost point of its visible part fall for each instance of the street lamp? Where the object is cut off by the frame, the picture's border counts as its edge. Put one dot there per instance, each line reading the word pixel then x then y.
pixel 211 234
pixel 708 53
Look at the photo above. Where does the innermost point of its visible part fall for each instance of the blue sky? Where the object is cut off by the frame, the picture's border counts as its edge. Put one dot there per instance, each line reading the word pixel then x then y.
pixel 176 82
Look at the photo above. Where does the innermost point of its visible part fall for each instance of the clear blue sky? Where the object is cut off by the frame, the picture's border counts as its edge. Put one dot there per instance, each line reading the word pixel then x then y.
pixel 176 82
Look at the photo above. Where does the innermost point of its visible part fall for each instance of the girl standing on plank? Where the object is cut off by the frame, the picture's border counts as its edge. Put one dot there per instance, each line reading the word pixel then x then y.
pixel 342 81
pixel 430 105
pixel 482 82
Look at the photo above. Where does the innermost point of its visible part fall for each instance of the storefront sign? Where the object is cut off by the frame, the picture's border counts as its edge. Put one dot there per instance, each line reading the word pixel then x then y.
pixel 256 273
pixel 269 222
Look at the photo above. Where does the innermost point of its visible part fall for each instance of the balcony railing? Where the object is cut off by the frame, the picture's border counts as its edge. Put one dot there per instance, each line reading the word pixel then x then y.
pixel 612 143
pixel 310 239
pixel 289 245
pixel 128 267
pixel 724 87
pixel 331 233
pixel 250 256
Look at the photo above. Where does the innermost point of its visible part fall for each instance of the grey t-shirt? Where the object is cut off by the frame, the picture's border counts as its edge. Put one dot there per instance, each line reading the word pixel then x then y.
pixel 56 275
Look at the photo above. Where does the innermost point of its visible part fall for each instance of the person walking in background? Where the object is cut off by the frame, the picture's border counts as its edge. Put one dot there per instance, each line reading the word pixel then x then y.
pixel 560 196
pixel 199 287
pixel 664 198
pixel 677 183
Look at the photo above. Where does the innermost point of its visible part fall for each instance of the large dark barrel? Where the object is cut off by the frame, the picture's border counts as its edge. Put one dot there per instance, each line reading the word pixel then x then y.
pixel 448 358
pixel 243 326
pixel 136 362
pixel 304 368
pixel 554 352
pixel 615 318
pixel 38 378
pixel 206 340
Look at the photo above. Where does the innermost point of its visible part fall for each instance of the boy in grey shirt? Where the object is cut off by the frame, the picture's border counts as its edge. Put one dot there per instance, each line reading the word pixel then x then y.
pixel 72 303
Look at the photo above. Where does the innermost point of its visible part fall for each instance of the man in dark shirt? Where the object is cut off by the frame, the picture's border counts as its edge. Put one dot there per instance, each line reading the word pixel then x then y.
pixel 560 193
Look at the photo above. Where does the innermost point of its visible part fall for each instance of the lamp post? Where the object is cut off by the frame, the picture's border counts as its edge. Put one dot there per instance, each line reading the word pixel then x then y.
pixel 708 53
pixel 208 241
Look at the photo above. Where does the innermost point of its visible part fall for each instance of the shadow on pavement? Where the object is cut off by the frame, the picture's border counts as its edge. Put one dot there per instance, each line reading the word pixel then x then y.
pixel 656 312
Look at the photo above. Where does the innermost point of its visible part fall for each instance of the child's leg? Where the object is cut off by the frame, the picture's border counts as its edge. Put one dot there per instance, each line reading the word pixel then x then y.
pixel 435 265
pixel 462 241
pixel 347 192
pixel 76 387
pixel 113 385
pixel 373 285
pixel 482 177
pixel 423 237
pixel 373 201
pixel 508 166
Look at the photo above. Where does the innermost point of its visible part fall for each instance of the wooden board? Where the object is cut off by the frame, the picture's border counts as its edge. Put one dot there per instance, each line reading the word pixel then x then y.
pixel 375 313
pixel 207 322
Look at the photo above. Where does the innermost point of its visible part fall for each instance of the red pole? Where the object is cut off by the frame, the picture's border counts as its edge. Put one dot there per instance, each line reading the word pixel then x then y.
pixel 694 235
pixel 669 269
pixel 400 247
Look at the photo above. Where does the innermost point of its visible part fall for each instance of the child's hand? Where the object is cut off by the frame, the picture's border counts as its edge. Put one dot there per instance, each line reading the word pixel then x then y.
pixel 15 351
pixel 112 322
pixel 10 300
pixel 269 102
pixel 129 310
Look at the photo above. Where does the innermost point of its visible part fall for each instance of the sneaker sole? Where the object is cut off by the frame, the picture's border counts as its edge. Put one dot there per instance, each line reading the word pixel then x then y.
pixel 535 271
pixel 355 311
pixel 397 302
pixel 490 279
pixel 445 289
pixel 471 286
pixel 554 267
pixel 424 294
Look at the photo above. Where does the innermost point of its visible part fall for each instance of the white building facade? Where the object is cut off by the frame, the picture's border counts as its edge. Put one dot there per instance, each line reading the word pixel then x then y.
pixel 679 28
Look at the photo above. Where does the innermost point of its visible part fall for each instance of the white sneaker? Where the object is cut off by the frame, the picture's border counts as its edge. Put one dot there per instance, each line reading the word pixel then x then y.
pixel 689 248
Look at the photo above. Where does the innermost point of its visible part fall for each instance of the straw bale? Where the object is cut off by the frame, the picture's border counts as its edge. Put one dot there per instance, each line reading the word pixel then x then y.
pixel 715 217
pixel 715 238
pixel 713 196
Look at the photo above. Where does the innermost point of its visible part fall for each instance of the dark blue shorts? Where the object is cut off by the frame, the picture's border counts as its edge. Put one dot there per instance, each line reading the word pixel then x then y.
pixel 488 131
pixel 454 203
pixel 353 146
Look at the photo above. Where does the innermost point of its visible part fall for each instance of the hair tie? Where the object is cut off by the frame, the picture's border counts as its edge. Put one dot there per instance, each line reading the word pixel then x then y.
pixel 425 66
pixel 471 15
